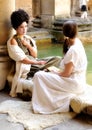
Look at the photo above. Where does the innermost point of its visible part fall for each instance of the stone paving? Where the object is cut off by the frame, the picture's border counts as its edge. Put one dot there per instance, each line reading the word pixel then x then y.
pixel 4 124
pixel 81 122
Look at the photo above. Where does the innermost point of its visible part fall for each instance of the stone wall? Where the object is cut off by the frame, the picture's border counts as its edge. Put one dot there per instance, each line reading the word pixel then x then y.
pixel 62 9
pixel 24 4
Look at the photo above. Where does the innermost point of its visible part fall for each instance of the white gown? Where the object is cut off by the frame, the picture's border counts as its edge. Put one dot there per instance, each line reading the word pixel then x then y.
pixel 19 82
pixel 51 92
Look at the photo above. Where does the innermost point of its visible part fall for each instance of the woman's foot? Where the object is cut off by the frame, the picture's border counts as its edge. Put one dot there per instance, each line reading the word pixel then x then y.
pixel 12 94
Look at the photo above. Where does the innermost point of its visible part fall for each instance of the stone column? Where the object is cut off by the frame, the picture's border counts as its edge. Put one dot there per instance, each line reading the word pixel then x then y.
pixel 75 8
pixel 47 12
pixel 36 8
pixel 6 7
pixel 62 9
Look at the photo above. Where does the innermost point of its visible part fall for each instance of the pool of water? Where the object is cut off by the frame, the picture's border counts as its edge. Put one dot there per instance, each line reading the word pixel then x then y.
pixel 54 49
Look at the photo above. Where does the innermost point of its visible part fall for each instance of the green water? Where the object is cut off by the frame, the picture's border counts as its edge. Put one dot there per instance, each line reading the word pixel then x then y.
pixel 88 48
pixel 51 49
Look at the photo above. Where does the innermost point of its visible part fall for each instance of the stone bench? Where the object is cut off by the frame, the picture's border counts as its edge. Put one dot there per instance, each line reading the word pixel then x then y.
pixel 83 103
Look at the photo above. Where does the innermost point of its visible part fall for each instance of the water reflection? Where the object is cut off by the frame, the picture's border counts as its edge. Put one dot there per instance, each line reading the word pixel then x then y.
pixel 52 49
pixel 88 48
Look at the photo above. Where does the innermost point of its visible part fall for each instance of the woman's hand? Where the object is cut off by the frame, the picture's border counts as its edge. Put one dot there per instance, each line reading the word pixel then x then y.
pixel 41 62
pixel 32 49
pixel 55 72
pixel 25 43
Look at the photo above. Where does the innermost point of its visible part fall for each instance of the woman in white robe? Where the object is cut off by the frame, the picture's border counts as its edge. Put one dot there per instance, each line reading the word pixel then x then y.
pixel 23 50
pixel 19 81
pixel 53 91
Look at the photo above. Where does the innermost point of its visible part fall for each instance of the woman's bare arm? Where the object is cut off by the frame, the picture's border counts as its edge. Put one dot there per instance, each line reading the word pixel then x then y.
pixel 66 72
pixel 26 60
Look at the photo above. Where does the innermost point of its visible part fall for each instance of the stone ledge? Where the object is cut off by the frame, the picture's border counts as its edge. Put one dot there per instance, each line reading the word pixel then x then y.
pixel 83 24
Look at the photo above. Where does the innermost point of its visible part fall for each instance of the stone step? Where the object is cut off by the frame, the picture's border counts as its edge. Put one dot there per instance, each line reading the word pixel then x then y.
pixel 41 35
pixel 38 33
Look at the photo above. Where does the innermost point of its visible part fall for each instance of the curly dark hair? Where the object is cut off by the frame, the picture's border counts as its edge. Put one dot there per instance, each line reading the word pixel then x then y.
pixel 18 17
pixel 70 29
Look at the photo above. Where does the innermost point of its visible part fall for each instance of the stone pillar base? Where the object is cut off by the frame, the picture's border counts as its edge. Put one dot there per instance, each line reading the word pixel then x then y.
pixel 5 66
